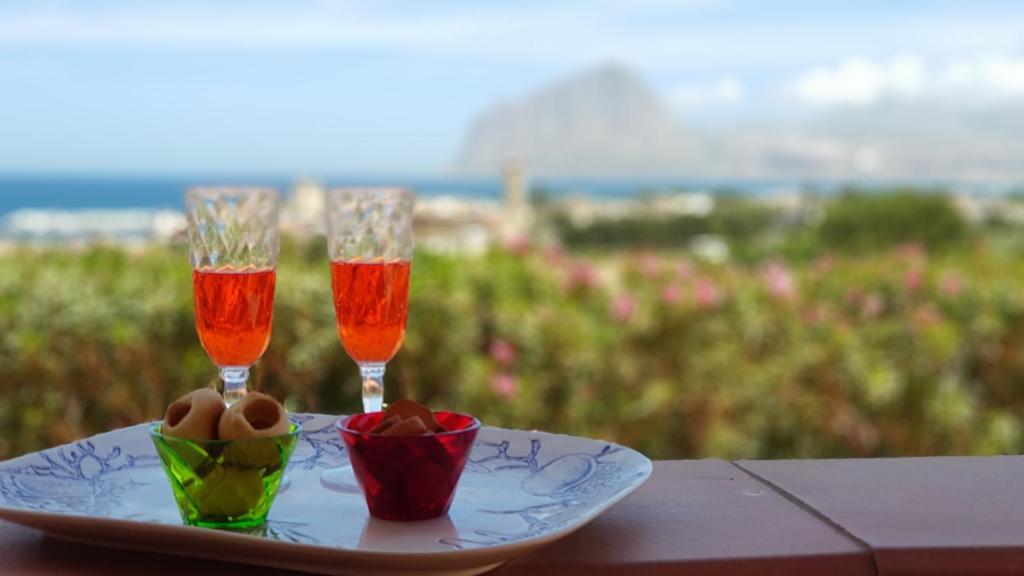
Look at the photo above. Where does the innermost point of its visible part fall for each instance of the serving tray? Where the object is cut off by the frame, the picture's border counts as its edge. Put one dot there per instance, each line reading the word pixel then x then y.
pixel 520 491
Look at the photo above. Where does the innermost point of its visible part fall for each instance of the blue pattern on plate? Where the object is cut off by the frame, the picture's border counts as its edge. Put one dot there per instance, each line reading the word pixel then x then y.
pixel 572 481
pixel 73 479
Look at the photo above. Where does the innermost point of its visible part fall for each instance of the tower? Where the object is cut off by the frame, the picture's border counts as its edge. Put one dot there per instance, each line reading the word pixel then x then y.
pixel 517 217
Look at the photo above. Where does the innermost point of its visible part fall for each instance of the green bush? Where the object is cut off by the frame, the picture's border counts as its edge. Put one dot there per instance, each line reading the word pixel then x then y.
pixel 740 220
pixel 633 231
pixel 892 354
pixel 865 222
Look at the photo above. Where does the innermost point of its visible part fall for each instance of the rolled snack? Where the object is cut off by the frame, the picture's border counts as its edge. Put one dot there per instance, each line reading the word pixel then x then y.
pixel 385 424
pixel 406 409
pixel 409 427
pixel 254 416
pixel 195 416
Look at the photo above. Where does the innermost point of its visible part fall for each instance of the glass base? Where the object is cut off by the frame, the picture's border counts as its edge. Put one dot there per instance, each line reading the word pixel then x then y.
pixel 239 525
pixel 340 479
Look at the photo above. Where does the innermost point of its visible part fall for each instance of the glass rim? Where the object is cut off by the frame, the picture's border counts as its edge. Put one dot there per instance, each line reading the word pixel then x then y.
pixel 199 192
pixel 342 426
pixel 154 431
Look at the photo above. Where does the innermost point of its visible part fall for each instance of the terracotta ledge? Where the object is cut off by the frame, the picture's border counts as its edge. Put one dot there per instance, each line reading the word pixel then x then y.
pixel 712 517
pixel 961 515
pixel 701 517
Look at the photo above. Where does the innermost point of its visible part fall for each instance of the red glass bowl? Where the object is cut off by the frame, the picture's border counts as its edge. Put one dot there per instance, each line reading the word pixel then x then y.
pixel 408 477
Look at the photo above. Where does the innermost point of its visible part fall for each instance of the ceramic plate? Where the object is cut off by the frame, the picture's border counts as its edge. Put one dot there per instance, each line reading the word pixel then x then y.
pixel 520 490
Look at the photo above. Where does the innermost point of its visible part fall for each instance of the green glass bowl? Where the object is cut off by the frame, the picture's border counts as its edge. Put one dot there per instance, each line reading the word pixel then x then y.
pixel 224 483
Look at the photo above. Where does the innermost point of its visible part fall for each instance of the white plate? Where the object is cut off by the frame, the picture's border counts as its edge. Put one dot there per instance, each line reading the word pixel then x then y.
pixel 520 490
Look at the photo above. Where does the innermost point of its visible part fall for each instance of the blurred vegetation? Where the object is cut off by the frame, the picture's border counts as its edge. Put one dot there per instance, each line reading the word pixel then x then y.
pixel 855 221
pixel 733 216
pixel 865 222
pixel 911 349
pixel 646 231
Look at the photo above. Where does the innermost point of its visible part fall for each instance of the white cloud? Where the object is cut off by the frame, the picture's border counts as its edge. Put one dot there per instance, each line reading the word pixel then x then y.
pixel 864 82
pixel 729 89
pixel 998 75
pixel 867 159
pixel 861 82
pixel 724 90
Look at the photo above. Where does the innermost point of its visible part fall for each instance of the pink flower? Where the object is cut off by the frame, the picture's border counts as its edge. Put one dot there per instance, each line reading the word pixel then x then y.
pixel 684 269
pixel 779 281
pixel 582 275
pixel 623 307
pixel 925 317
pixel 913 279
pixel 950 284
pixel 853 296
pixel 671 293
pixel 912 252
pixel 504 385
pixel 824 264
pixel 706 293
pixel 650 268
pixel 872 306
pixel 502 352
pixel 816 315
pixel 553 254
pixel 518 244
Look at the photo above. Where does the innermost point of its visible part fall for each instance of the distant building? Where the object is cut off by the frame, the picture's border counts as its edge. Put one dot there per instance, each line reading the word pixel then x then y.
pixel 583 211
pixel 440 223
pixel 456 225
pixel 302 213
pixel 516 218
pixel 116 225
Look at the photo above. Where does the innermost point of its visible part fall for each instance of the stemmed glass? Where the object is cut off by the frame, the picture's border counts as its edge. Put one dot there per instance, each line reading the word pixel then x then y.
pixel 369 243
pixel 233 245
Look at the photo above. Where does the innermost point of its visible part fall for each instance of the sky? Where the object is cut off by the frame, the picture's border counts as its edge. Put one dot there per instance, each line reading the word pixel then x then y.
pixel 324 88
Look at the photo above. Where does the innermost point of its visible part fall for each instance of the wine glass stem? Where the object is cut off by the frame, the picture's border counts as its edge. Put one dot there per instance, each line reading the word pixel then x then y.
pixel 234 378
pixel 373 386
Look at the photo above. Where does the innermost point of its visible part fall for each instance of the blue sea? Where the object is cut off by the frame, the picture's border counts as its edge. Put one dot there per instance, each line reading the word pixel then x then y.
pixel 152 192
pixel 109 192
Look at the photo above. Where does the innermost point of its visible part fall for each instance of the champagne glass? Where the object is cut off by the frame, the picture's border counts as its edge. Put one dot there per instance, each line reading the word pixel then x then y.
pixel 233 245
pixel 369 243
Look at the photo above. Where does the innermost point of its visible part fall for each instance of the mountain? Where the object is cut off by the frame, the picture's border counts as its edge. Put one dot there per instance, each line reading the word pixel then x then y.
pixel 603 122
pixel 608 122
